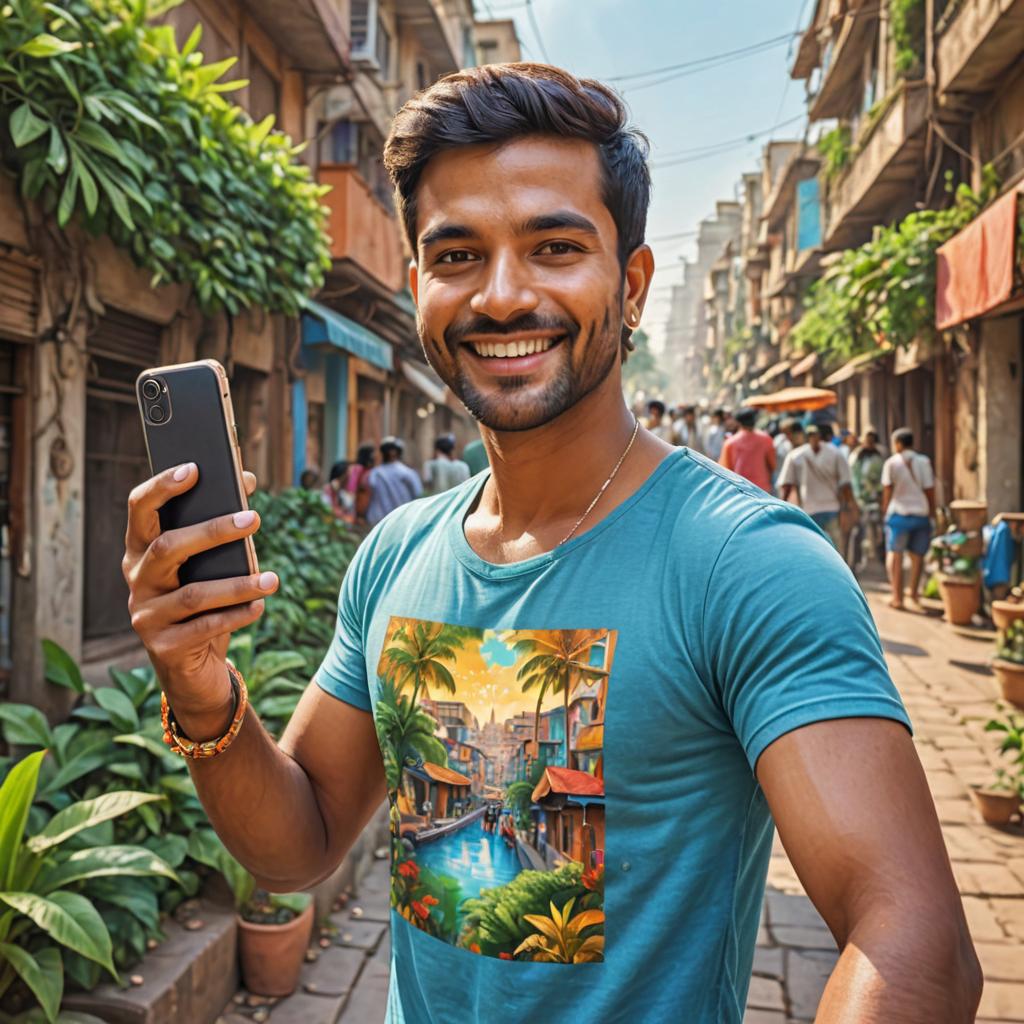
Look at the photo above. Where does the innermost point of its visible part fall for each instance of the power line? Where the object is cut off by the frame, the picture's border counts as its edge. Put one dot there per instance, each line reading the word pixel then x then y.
pixel 789 54
pixel 536 31
pixel 683 156
pixel 669 238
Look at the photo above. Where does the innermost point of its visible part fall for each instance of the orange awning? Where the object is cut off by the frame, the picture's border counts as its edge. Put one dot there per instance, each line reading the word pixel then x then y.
pixel 591 737
pixel 440 774
pixel 805 365
pixel 975 268
pixel 793 399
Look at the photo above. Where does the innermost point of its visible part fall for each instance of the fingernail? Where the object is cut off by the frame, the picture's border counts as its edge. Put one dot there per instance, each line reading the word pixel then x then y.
pixel 257 606
pixel 267 581
pixel 183 471
pixel 244 519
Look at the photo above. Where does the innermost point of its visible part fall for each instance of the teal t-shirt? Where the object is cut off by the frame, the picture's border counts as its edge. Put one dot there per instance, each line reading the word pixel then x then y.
pixel 569 743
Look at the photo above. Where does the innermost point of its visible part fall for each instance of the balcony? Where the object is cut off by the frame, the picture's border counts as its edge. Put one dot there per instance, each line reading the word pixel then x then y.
pixel 314 33
pixel 980 43
pixel 436 28
pixel 884 172
pixel 364 233
pixel 841 73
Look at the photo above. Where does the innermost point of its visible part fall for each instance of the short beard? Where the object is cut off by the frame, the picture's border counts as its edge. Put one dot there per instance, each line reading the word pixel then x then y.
pixel 600 351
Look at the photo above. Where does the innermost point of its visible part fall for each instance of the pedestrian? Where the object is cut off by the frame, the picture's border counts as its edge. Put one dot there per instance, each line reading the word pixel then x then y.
pixel 388 485
pixel 335 496
pixel 714 439
pixel 524 192
pixel 357 471
pixel 686 430
pixel 474 455
pixel 656 422
pixel 866 462
pixel 444 471
pixel 790 436
pixel 309 479
pixel 908 505
pixel 817 477
pixel 750 452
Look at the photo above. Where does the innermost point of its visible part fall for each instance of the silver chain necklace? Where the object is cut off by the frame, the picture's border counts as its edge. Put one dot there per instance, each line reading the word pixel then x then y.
pixel 604 486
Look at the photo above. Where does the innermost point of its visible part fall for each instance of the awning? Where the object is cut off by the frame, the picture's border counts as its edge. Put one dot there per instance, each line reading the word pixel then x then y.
pixel 772 372
pixel 591 737
pixel 323 326
pixel 805 365
pixel 911 357
pixel 856 365
pixel 421 377
pixel 794 399
pixel 438 773
pixel 975 268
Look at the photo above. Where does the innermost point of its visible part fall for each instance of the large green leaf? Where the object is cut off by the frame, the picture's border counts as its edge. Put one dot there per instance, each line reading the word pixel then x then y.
pixel 25 725
pixel 61 668
pixel 25 126
pixel 89 750
pixel 136 683
pixel 130 894
pixel 43 973
pixel 103 861
pixel 87 813
pixel 16 795
pixel 69 919
pixel 117 704
pixel 46 45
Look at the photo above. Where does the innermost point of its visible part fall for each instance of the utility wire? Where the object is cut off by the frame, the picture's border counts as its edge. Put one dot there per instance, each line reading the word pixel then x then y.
pixel 536 31
pixel 789 55
pixel 684 156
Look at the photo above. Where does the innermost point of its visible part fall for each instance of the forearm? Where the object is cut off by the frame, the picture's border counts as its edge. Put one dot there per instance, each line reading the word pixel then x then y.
pixel 900 969
pixel 263 806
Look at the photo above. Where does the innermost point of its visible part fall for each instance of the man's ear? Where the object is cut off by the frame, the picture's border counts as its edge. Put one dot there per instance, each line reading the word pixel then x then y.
pixel 637 282
pixel 414 281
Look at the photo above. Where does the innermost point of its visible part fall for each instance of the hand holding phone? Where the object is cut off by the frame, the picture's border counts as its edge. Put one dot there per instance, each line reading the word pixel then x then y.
pixel 189 560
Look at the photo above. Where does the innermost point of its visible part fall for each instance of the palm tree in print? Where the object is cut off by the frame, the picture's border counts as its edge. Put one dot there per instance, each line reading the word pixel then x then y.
pixel 417 653
pixel 556 665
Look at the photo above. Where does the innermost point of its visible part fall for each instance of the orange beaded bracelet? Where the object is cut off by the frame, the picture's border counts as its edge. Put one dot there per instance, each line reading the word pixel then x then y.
pixel 185 747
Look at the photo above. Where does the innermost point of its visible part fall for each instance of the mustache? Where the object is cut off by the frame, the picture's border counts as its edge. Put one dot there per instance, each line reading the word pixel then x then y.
pixel 458 332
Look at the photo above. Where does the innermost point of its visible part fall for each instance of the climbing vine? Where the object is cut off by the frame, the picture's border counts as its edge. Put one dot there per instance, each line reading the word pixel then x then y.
pixel 104 119
pixel 908 19
pixel 883 293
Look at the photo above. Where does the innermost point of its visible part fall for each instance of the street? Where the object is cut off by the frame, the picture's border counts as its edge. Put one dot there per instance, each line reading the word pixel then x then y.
pixel 944 680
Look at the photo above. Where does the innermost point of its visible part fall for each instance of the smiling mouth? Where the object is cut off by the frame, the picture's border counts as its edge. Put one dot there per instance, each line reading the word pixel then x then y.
pixel 513 349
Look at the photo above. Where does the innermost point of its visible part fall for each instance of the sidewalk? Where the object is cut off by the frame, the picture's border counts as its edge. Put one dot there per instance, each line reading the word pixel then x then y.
pixel 944 680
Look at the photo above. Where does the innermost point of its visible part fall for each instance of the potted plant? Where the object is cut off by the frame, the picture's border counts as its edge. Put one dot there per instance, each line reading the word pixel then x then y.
pixel 273 928
pixel 1008 611
pixel 958 585
pixel 1000 801
pixel 1008 663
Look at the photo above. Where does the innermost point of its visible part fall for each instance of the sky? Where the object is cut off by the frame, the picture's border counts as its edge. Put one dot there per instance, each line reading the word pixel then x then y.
pixel 606 38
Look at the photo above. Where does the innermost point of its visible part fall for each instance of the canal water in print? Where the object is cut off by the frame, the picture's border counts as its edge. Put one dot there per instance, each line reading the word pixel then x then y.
pixel 493 747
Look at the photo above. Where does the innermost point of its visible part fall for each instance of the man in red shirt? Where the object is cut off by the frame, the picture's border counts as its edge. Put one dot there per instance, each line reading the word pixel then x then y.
pixel 750 452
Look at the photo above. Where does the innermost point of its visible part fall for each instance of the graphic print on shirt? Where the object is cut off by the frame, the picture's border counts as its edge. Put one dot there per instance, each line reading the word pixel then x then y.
pixel 493 746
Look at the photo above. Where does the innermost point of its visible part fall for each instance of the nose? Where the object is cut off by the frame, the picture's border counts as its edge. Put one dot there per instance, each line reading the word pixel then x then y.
pixel 505 291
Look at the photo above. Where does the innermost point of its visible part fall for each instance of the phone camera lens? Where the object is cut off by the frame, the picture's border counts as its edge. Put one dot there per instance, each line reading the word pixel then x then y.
pixel 150 389
pixel 157 414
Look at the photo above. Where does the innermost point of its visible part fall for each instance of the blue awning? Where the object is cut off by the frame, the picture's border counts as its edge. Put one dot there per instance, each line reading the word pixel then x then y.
pixel 323 326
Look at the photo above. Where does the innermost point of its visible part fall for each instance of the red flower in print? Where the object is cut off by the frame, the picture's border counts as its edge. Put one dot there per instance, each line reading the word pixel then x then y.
pixel 504 956
pixel 591 878
pixel 430 901
pixel 421 911
pixel 409 869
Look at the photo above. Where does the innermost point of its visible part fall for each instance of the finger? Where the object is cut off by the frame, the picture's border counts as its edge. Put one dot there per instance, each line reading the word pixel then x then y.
pixel 171 549
pixel 146 500
pixel 204 628
pixel 195 598
pixel 249 479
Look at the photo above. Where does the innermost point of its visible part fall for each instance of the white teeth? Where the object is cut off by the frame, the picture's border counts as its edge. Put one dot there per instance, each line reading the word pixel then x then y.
pixel 501 349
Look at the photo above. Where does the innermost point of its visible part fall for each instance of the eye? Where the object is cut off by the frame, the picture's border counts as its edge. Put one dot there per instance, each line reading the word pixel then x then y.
pixel 558 249
pixel 456 256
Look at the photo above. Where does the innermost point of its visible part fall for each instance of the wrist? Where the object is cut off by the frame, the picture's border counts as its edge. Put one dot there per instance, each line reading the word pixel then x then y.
pixel 209 720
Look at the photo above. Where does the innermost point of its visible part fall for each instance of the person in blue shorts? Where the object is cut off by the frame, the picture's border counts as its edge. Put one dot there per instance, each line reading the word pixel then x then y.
pixel 908 505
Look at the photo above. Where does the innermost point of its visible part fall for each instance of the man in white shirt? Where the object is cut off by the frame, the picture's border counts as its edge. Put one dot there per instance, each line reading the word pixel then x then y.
pixel 686 430
pixel 816 476
pixel 908 503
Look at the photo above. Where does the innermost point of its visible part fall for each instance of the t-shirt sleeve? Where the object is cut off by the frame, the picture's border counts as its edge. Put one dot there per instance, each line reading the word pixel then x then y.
pixel 788 474
pixel 925 471
pixel 887 473
pixel 342 673
pixel 788 637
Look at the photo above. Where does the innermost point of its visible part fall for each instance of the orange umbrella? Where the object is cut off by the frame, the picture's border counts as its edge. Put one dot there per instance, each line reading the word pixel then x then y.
pixel 793 399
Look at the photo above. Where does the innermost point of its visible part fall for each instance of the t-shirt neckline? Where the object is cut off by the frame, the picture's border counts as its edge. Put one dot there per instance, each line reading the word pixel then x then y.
pixel 507 570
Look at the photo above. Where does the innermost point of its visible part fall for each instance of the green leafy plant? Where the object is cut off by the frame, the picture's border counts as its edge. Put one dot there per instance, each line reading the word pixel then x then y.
pixel 908 21
pixel 45 912
pixel 1011 728
pixel 882 294
pixel 836 150
pixel 1010 646
pixel 103 117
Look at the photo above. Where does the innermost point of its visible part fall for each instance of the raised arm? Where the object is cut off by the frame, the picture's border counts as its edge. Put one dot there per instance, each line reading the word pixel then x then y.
pixel 288 812
pixel 855 815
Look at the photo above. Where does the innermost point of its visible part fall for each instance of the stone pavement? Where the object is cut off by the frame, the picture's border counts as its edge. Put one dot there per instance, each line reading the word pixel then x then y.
pixel 944 679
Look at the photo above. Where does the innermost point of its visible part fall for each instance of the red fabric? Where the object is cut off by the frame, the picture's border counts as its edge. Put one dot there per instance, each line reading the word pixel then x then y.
pixel 974 270
pixel 751 453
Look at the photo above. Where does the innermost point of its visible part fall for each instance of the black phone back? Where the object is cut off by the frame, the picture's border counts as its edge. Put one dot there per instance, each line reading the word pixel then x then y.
pixel 195 428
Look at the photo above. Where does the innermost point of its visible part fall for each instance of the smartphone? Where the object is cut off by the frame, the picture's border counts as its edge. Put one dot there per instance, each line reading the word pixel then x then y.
pixel 187 417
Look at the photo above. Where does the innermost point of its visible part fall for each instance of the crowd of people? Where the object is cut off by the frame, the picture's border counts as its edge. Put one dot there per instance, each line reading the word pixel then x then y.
pixel 872 503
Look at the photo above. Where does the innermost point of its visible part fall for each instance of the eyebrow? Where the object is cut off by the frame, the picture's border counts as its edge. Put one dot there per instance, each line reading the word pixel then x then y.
pixel 563 219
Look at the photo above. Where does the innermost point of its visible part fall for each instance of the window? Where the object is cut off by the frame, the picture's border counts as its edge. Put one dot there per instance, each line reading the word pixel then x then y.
pixel 357 143
pixel 359 26
pixel 422 76
pixel 382 49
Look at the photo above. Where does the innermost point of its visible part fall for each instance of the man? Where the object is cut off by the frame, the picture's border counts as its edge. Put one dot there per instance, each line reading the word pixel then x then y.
pixel 524 195
pixel 656 420
pixel 715 439
pixel 908 505
pixel 817 477
pixel 866 462
pixel 750 452
pixel 474 455
pixel 686 430
pixel 388 485
pixel 336 498
pixel 444 471
pixel 790 436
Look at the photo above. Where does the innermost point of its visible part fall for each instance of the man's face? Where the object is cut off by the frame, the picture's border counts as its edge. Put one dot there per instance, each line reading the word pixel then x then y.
pixel 814 440
pixel 516 253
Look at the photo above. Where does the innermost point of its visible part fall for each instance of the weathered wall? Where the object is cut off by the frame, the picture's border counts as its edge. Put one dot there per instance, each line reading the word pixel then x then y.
pixel 999 413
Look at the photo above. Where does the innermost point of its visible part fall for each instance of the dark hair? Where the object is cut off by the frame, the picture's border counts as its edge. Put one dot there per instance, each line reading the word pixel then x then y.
pixel 365 455
pixel 497 103
pixel 904 436
pixel 688 410
pixel 656 403
pixel 826 431
pixel 746 418
pixel 445 443
pixel 309 478
pixel 720 413
pixel 338 470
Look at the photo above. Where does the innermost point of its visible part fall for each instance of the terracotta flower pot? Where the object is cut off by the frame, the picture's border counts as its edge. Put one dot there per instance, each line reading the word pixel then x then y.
pixel 969 515
pixel 1010 676
pixel 996 806
pixel 1005 613
pixel 960 598
pixel 271 955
